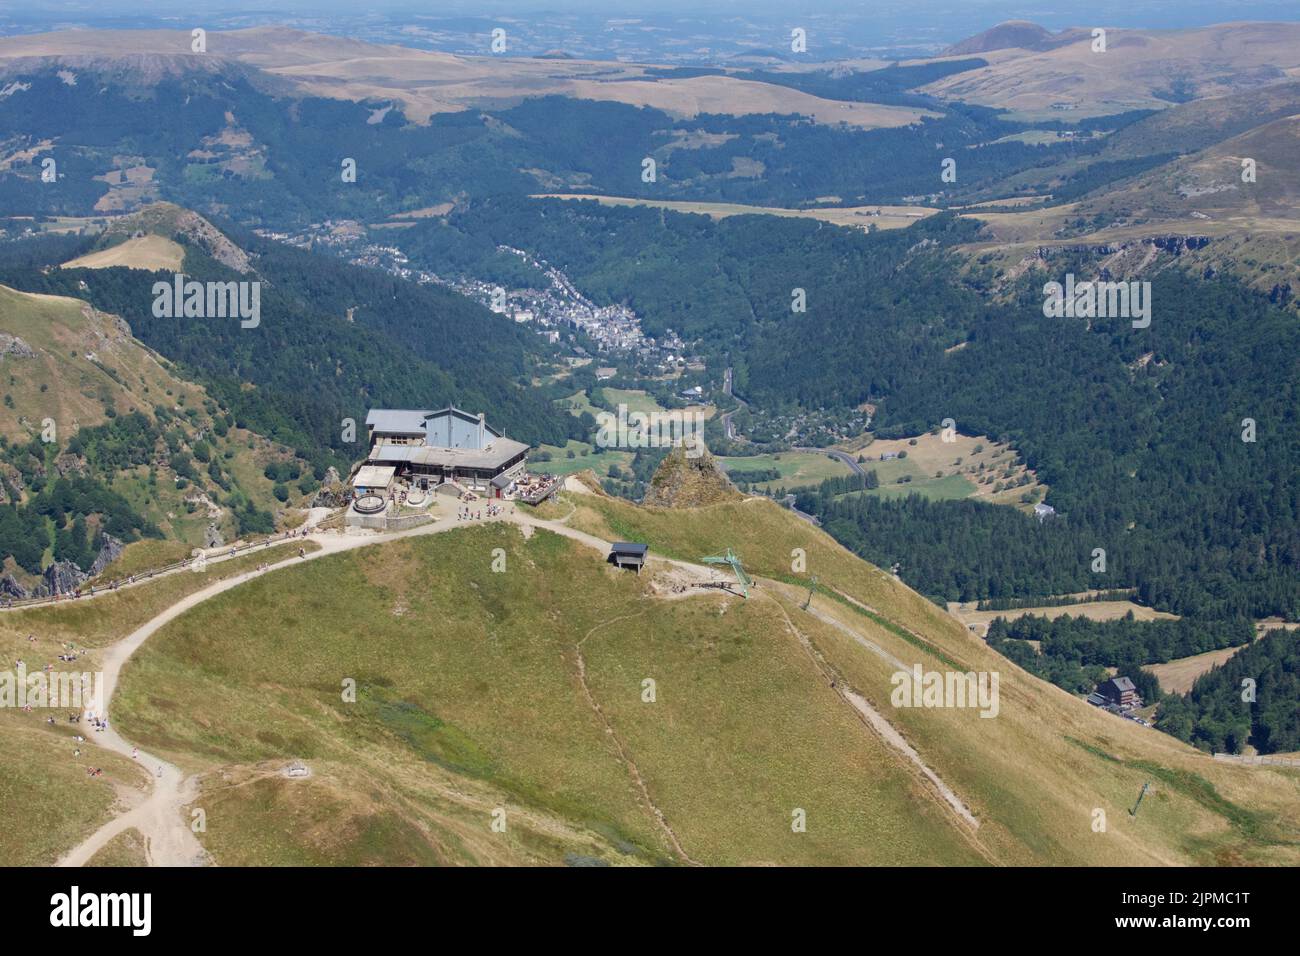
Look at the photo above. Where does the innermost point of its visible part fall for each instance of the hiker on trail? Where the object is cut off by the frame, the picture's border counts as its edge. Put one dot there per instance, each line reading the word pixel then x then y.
pixel 135 753
pixel 302 552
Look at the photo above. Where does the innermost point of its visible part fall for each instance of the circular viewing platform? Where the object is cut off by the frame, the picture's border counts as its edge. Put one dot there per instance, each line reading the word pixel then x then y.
pixel 369 505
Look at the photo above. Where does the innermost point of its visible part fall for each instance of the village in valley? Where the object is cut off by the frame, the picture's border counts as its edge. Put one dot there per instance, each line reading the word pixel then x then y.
pixel 558 311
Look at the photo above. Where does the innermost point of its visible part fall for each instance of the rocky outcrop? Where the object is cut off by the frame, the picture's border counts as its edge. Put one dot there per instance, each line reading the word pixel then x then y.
pixel 212 536
pixel 10 588
pixel 683 481
pixel 12 345
pixel 208 237
pixel 69 465
pixel 64 577
pixel 333 492
pixel 109 552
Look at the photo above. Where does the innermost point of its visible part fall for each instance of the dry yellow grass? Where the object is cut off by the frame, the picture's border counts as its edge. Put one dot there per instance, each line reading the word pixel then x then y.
pixel 66 379
pixel 860 217
pixel 426 82
pixel 1177 677
pixel 1092 610
pixel 1136 65
pixel 150 253
pixel 1033 775
pixel 428 212
pixel 931 455
pixel 729 95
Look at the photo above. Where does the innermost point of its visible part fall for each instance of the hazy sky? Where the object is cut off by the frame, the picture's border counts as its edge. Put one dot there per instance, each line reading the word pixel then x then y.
pixel 862 23
pixel 1048 12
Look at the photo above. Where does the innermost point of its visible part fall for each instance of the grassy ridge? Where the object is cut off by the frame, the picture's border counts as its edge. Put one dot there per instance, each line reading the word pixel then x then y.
pixel 523 691
pixel 1029 784
pixel 470 696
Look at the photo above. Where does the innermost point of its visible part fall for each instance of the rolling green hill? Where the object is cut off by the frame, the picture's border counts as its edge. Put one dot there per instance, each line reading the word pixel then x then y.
pixel 523 690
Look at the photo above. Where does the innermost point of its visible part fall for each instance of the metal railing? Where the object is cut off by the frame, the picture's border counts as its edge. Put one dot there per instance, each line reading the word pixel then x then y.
pixel 203 560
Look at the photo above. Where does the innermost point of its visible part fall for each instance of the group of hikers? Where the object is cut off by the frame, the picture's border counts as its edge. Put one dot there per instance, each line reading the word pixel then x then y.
pixel 471 514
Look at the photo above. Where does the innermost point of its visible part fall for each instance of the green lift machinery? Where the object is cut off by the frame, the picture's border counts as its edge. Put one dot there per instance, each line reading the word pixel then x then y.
pixel 1145 787
pixel 730 557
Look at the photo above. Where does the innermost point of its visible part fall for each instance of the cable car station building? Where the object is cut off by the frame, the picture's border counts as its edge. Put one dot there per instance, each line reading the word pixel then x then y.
pixel 448 445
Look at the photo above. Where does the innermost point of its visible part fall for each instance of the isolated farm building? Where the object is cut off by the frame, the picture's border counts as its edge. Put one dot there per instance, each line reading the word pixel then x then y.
pixel 1043 511
pixel 1119 691
pixel 447 445
pixel 628 554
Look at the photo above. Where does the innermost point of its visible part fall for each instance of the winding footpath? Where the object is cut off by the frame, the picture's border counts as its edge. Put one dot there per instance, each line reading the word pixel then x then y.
pixel 159 816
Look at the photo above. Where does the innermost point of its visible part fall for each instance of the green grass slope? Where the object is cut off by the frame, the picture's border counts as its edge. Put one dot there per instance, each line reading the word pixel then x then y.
pixel 523 690
pixel 61 360
pixel 520 689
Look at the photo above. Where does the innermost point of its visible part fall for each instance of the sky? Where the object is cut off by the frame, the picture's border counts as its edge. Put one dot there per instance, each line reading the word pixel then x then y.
pixel 858 25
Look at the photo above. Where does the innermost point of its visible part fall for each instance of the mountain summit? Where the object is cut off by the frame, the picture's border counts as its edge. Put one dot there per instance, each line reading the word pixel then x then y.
pixel 1013 34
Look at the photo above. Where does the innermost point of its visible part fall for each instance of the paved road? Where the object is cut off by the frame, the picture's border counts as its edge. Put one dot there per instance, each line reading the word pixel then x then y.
pixel 848 459
pixel 726 416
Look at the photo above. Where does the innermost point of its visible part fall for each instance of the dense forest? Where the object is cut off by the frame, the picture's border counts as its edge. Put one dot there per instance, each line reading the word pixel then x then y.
pixel 1125 643
pixel 1075 653
pixel 55 516
pixel 312 366
pixel 1252 699
pixel 1114 420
